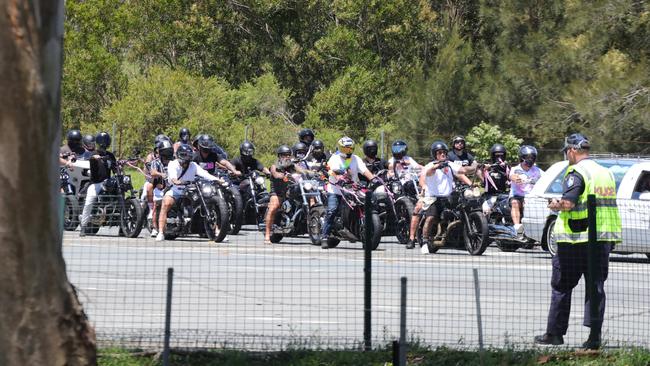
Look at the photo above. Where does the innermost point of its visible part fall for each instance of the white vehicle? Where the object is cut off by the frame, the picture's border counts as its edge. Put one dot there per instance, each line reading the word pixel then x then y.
pixel 633 205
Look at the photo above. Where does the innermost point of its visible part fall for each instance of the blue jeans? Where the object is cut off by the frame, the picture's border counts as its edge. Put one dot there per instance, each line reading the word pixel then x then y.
pixel 333 201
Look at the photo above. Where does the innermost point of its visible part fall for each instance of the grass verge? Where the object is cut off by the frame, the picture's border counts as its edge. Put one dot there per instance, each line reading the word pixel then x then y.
pixel 420 357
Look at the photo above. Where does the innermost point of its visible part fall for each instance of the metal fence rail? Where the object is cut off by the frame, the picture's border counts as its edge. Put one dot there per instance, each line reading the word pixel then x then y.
pixel 242 294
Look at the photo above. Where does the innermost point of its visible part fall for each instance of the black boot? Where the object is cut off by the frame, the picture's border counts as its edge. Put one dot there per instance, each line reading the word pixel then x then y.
pixel 593 342
pixel 549 339
pixel 323 243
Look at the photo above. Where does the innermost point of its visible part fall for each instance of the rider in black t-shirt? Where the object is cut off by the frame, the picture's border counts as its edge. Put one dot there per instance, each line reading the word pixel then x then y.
pixel 101 166
pixel 373 163
pixel 208 159
pixel 495 174
pixel 318 157
pixel 72 150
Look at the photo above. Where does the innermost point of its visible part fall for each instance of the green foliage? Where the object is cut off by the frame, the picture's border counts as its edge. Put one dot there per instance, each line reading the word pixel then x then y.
pixel 481 138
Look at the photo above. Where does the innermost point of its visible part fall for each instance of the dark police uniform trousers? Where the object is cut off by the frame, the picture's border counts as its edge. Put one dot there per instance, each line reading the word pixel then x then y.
pixel 569 264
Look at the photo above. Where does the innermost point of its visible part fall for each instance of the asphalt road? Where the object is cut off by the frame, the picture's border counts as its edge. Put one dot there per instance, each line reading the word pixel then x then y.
pixel 245 294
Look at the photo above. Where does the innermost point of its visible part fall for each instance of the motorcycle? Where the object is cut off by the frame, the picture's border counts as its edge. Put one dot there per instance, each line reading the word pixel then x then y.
pixel 234 200
pixel 500 226
pixel 256 199
pixel 350 223
pixel 117 205
pixel 393 206
pixel 462 224
pixel 202 209
pixel 301 208
pixel 71 208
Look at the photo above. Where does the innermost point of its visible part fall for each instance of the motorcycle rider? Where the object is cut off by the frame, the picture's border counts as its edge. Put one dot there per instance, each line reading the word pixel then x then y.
pixel 437 183
pixel 522 179
pixel 246 163
pixel 495 176
pixel 88 143
pixel 318 157
pixel 370 159
pixel 280 171
pixel 72 149
pixel 183 138
pixel 459 153
pixel 102 163
pixel 148 186
pixel 179 171
pixel 208 159
pixel 299 151
pixel 341 165
pixel 400 161
pixel 158 173
pixel 306 136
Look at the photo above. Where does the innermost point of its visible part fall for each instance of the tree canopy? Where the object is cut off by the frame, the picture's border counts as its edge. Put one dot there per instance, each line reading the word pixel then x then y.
pixel 418 70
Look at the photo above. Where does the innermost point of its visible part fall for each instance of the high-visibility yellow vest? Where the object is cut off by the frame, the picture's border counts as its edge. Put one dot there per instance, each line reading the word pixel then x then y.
pixel 600 182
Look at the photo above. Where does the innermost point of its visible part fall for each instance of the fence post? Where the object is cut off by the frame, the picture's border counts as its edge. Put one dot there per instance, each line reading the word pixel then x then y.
pixel 168 316
pixel 367 271
pixel 402 325
pixel 479 320
pixel 593 268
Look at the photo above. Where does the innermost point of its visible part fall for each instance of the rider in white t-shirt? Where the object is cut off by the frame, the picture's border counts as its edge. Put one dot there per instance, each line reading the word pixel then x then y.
pixel 522 180
pixel 400 161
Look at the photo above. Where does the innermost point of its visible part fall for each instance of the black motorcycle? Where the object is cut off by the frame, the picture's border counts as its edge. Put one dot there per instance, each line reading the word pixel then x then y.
pixel 395 207
pixel 230 192
pixel 71 209
pixel 117 205
pixel 256 199
pixel 501 228
pixel 462 225
pixel 202 209
pixel 349 224
pixel 301 208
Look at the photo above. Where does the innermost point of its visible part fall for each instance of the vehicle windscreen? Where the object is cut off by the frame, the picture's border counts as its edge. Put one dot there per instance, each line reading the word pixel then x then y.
pixel 617 167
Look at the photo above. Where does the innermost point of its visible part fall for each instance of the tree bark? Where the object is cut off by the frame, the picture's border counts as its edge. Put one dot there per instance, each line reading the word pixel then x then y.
pixel 41 319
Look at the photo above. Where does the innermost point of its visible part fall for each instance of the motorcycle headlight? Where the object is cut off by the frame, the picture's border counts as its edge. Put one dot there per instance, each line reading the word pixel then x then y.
pixel 207 190
pixel 472 193
pixel 126 179
pixel 259 181
pixel 308 186
pixel 396 188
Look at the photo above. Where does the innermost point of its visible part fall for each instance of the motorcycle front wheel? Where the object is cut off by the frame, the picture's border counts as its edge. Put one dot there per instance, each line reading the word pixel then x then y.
pixel 376 232
pixel 237 214
pixel 216 220
pixel 132 218
pixel 475 233
pixel 404 210
pixel 70 213
pixel 315 222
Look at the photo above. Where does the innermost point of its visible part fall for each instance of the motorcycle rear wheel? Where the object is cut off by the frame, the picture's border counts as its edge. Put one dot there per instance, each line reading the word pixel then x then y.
pixel 216 220
pixel 132 218
pixel 475 233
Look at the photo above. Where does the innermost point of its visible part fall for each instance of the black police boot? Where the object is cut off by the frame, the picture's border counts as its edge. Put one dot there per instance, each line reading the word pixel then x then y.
pixel 549 339
pixel 410 244
pixel 593 342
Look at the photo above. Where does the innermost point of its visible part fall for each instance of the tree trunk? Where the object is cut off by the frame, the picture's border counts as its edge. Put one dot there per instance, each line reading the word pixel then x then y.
pixel 41 319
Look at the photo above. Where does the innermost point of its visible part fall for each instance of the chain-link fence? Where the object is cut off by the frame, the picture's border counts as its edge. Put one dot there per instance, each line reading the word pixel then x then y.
pixel 489 285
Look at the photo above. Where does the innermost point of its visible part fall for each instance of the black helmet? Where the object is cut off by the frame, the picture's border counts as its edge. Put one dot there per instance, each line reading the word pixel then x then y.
pixel 528 154
pixel 74 137
pixel 318 148
pixel 399 149
pixel 283 150
pixel 437 146
pixel 306 136
pixel 205 142
pixel 184 153
pixel 184 135
pixel 300 150
pixel 103 141
pixel 576 141
pixel 89 142
pixel 165 149
pixel 160 138
pixel 498 151
pixel 370 148
pixel 458 138
pixel 247 149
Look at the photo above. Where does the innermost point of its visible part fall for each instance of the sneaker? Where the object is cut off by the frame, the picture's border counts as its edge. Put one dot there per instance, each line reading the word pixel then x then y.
pixel 82 232
pixel 150 215
pixel 160 237
pixel 410 244
pixel 549 339
pixel 323 243
pixel 425 248
pixel 154 232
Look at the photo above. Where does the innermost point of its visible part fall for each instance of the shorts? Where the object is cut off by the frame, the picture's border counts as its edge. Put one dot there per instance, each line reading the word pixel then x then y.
pixel 518 198
pixel 157 194
pixel 433 206
pixel 174 194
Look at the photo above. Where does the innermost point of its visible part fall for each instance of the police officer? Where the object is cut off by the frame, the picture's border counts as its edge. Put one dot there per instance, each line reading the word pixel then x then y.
pixel 583 177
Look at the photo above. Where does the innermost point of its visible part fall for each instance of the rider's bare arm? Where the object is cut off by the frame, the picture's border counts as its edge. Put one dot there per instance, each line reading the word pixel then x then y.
pixel 463 178
pixel 229 166
pixel 275 173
